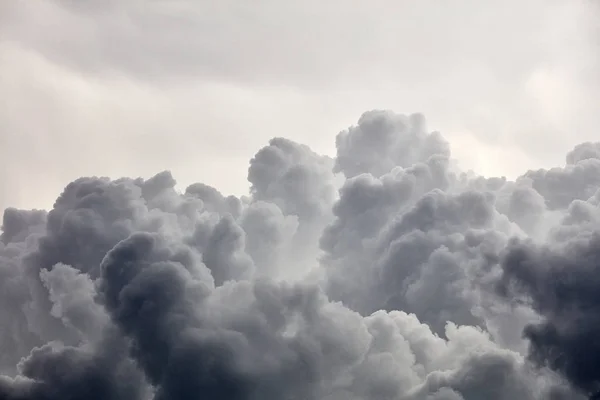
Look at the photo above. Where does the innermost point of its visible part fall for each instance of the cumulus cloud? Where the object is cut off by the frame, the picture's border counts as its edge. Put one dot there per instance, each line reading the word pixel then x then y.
pixel 558 279
pixel 383 140
pixel 382 273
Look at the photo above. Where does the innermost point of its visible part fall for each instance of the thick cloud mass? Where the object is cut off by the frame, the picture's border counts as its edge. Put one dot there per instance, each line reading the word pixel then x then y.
pixel 382 273
pixel 383 140
pixel 561 282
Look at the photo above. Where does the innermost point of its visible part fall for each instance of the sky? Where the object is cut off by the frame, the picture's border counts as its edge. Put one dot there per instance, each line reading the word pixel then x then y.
pixel 130 87
pixel 341 200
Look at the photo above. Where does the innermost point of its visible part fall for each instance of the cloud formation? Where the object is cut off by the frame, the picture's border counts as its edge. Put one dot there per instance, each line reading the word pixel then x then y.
pixel 382 273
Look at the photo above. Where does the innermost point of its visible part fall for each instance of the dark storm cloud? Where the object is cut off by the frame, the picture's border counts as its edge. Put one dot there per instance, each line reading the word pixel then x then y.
pixel 387 289
pixel 409 233
pixel 561 282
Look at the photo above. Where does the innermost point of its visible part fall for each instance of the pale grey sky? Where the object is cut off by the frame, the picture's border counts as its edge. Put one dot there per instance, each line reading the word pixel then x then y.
pixel 131 87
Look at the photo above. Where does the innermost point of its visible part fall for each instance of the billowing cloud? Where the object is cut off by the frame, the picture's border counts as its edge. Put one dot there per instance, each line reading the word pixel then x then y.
pixel 383 140
pixel 382 273
pixel 559 280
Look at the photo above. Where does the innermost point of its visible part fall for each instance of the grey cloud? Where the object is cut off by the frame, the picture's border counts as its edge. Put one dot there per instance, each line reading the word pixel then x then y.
pixel 225 255
pixel 560 186
pixel 55 372
pixel 17 225
pixel 560 282
pixel 145 294
pixel 383 140
pixel 130 289
pixel 269 236
pixel 405 240
pixel 584 151
pixel 72 295
pixel 293 177
pixel 526 207
pixel 426 259
pixel 312 343
pixel 302 185
pixel 214 201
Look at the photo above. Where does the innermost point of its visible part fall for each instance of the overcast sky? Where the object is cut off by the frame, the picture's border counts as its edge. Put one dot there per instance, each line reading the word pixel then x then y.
pixel 132 87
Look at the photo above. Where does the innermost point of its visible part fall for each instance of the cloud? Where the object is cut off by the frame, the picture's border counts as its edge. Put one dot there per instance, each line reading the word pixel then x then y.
pixel 379 274
pixel 559 282
pixel 383 140
pixel 370 267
